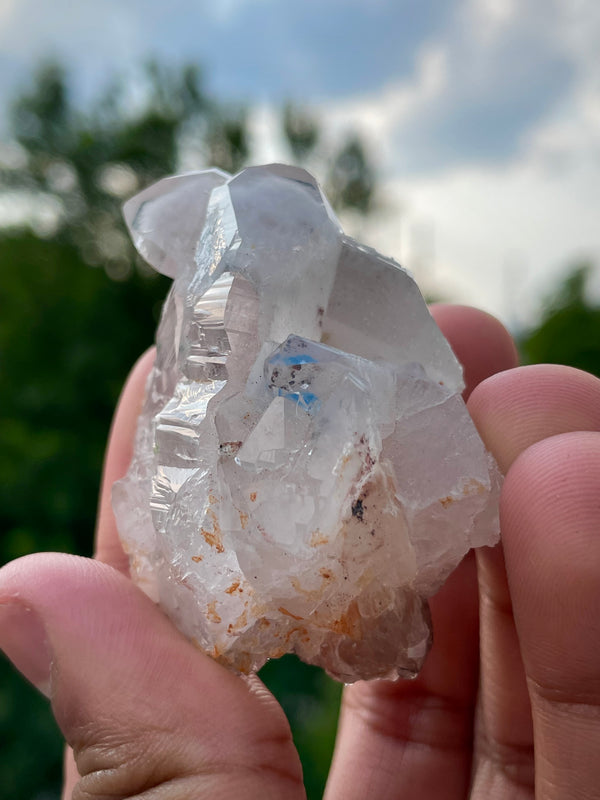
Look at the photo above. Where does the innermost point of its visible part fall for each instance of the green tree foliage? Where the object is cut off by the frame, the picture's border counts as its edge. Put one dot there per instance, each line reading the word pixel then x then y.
pixel 301 132
pixel 351 179
pixel 569 331
pixel 77 307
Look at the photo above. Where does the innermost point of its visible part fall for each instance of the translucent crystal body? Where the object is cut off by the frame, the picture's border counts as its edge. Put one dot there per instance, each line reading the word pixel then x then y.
pixel 305 471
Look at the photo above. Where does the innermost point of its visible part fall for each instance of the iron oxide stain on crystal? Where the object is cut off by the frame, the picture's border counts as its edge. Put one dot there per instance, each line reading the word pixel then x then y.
pixel 305 472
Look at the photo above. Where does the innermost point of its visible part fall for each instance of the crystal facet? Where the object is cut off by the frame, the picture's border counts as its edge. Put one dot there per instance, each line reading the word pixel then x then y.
pixel 305 471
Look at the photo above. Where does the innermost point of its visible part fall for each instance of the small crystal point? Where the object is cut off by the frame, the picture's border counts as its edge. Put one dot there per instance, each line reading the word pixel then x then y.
pixel 162 229
pixel 305 472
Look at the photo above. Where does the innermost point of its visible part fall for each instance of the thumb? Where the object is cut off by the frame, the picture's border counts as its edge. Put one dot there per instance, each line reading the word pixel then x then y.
pixel 146 713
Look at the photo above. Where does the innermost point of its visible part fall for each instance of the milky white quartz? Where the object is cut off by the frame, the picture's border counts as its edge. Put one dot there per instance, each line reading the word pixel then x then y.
pixel 305 472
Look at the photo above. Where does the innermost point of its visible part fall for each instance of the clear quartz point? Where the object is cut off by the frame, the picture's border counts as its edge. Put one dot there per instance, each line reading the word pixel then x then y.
pixel 305 472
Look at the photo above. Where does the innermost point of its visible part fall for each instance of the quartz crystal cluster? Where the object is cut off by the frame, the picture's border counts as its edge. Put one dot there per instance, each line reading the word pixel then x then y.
pixel 305 471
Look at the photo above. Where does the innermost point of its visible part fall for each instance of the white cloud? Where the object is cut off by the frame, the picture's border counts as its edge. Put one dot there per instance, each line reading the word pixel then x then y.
pixel 6 9
pixel 87 37
pixel 224 11
pixel 503 237
pixel 376 117
pixel 495 233
pixel 490 17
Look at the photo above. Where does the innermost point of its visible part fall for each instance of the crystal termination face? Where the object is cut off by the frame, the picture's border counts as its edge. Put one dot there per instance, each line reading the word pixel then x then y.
pixel 305 472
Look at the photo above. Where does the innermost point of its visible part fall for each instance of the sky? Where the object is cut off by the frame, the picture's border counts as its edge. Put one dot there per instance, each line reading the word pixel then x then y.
pixel 483 116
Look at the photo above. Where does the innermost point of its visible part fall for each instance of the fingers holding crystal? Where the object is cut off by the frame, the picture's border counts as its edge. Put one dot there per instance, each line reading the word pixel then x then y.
pixel 518 408
pixel 551 522
pixel 144 710
pixel 416 738
pixel 108 547
pixel 480 342
pixel 118 456
pixel 512 411
pixel 317 382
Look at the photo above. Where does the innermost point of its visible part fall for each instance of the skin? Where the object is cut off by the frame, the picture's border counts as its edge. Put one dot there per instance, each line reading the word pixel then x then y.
pixel 507 705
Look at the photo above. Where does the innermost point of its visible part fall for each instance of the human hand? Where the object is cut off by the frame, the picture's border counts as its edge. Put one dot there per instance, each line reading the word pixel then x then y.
pixel 150 716
pixel 514 713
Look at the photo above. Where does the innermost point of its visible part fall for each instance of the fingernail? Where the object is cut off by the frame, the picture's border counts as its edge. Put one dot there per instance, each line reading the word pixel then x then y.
pixel 23 640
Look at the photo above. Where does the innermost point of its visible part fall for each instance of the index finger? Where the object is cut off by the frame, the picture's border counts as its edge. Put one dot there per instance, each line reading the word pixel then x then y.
pixel 117 460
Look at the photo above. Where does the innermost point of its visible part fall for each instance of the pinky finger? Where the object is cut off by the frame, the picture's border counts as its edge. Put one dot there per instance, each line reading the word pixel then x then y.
pixel 551 533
